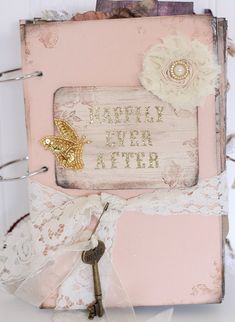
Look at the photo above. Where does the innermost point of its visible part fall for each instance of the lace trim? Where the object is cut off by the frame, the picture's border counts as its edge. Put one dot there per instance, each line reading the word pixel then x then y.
pixel 208 197
pixel 58 219
pixel 16 255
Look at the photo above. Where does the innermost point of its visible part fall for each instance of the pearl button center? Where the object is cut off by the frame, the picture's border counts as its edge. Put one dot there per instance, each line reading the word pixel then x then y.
pixel 179 70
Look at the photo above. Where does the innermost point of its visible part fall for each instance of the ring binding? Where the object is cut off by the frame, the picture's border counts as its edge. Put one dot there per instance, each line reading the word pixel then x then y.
pixel 229 138
pixel 25 176
pixel 18 77
pixel 230 159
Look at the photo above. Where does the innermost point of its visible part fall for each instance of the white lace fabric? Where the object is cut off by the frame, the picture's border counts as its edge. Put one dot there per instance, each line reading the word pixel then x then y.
pixel 58 220
pixel 16 255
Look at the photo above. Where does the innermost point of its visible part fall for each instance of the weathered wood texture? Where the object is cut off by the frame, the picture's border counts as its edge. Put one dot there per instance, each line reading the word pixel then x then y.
pixel 220 48
pixel 137 141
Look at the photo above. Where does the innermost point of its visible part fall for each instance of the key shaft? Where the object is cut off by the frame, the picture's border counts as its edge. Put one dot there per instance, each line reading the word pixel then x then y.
pixel 92 257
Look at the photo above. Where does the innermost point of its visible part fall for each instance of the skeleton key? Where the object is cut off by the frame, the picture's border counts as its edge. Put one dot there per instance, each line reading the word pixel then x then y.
pixel 92 257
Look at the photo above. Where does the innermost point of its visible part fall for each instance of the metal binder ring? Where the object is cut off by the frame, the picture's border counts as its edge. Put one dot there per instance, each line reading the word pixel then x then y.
pixel 18 77
pixel 25 176
pixel 229 139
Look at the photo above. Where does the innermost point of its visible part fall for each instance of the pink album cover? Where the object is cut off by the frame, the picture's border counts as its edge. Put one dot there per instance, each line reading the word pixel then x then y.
pixel 129 113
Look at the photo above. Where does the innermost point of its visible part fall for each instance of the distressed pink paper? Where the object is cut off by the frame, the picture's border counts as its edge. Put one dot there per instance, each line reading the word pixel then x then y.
pixel 161 260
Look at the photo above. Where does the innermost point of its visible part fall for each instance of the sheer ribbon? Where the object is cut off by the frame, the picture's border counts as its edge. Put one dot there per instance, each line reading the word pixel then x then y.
pixel 67 257
pixel 34 290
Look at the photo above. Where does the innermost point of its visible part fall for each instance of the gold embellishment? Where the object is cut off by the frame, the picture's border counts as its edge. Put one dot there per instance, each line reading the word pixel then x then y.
pixel 179 69
pixel 68 147
pixel 126 114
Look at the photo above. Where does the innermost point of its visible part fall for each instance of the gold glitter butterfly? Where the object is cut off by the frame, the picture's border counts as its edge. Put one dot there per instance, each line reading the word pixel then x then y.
pixel 67 147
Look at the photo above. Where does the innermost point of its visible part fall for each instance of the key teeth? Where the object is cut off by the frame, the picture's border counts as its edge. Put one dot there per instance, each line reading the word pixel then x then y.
pixel 92 311
pixel 91 316
pixel 95 309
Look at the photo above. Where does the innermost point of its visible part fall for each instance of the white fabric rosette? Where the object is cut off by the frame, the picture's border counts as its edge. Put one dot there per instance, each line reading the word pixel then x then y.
pixel 180 71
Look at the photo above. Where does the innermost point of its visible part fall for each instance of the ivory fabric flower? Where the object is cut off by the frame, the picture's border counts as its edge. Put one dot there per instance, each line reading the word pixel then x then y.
pixel 180 71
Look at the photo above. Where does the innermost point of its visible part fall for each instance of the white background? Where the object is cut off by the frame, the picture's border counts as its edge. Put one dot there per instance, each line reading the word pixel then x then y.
pixel 13 196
